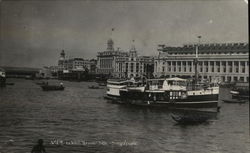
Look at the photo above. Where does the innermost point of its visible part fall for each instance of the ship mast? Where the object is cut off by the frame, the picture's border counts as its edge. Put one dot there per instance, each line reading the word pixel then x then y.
pixel 196 61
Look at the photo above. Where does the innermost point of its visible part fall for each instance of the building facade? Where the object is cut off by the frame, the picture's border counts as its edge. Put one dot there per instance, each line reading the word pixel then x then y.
pixel 133 65
pixel 106 60
pixel 120 64
pixel 221 62
pixel 76 64
pixel 75 67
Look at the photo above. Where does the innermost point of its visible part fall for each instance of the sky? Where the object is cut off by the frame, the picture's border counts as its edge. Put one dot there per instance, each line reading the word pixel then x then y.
pixel 33 33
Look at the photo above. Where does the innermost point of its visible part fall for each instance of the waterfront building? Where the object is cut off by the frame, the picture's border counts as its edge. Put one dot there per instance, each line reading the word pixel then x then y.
pixel 62 62
pixel 133 65
pixel 227 62
pixel 75 64
pixel 48 72
pixel 20 72
pixel 75 67
pixel 44 73
pixel 106 60
pixel 90 65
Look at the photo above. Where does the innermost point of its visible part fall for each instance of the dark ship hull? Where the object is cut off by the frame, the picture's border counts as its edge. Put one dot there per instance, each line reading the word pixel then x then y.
pixel 164 99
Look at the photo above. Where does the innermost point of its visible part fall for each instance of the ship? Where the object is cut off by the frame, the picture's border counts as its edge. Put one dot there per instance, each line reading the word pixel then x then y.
pixel 172 92
pixel 115 85
pixel 240 91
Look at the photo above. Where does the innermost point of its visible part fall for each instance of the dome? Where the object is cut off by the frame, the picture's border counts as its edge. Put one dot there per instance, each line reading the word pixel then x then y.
pixel 110 41
pixel 110 45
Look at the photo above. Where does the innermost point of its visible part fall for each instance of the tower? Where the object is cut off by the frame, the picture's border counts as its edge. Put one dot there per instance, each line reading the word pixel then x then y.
pixel 132 51
pixel 61 61
pixel 110 45
pixel 62 55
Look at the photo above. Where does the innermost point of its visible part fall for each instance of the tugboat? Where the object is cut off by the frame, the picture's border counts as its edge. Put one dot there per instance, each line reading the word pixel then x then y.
pixel 173 93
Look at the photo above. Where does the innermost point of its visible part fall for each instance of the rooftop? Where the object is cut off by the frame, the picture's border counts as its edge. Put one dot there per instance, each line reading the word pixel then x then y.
pixel 207 48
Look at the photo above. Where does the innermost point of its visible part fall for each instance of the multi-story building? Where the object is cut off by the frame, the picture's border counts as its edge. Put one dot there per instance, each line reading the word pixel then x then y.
pixel 76 64
pixel 106 59
pixel 122 64
pixel 75 67
pixel 225 62
pixel 90 65
pixel 133 65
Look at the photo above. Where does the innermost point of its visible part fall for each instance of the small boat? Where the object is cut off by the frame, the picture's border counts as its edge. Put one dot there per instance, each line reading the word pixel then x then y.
pixel 10 83
pixel 102 83
pixel 95 87
pixel 52 87
pixel 240 91
pixel 40 83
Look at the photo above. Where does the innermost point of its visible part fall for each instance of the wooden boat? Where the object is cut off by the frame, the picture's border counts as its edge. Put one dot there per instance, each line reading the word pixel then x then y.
pixel 185 116
pixel 10 83
pixel 52 87
pixel 95 87
pixel 240 91
pixel 40 83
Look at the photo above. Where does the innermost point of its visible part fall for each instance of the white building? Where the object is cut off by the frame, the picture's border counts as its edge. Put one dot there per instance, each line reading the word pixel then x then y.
pixel 224 62
pixel 133 65
pixel 106 60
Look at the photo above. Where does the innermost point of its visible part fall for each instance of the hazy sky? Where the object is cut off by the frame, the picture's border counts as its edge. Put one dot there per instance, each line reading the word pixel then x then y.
pixel 34 32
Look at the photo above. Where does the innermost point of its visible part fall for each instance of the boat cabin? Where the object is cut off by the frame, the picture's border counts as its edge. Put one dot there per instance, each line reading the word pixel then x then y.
pixel 176 84
pixel 120 82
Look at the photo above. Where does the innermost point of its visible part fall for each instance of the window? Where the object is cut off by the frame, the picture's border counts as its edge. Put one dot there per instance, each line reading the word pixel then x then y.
pixel 137 67
pixel 132 67
pixel 237 70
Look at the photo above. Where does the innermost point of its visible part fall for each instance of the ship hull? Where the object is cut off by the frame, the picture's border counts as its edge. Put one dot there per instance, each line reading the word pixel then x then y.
pixel 163 99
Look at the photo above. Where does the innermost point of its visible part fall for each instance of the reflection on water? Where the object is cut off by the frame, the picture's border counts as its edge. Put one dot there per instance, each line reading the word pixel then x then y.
pixel 80 120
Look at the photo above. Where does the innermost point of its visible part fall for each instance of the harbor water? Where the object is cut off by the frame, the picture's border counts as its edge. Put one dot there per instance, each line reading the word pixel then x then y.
pixel 79 119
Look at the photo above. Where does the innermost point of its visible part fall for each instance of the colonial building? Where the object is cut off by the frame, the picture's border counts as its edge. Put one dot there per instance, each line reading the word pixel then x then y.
pixel 106 59
pixel 75 67
pixel 76 64
pixel 133 65
pixel 122 64
pixel 90 65
pixel 224 62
